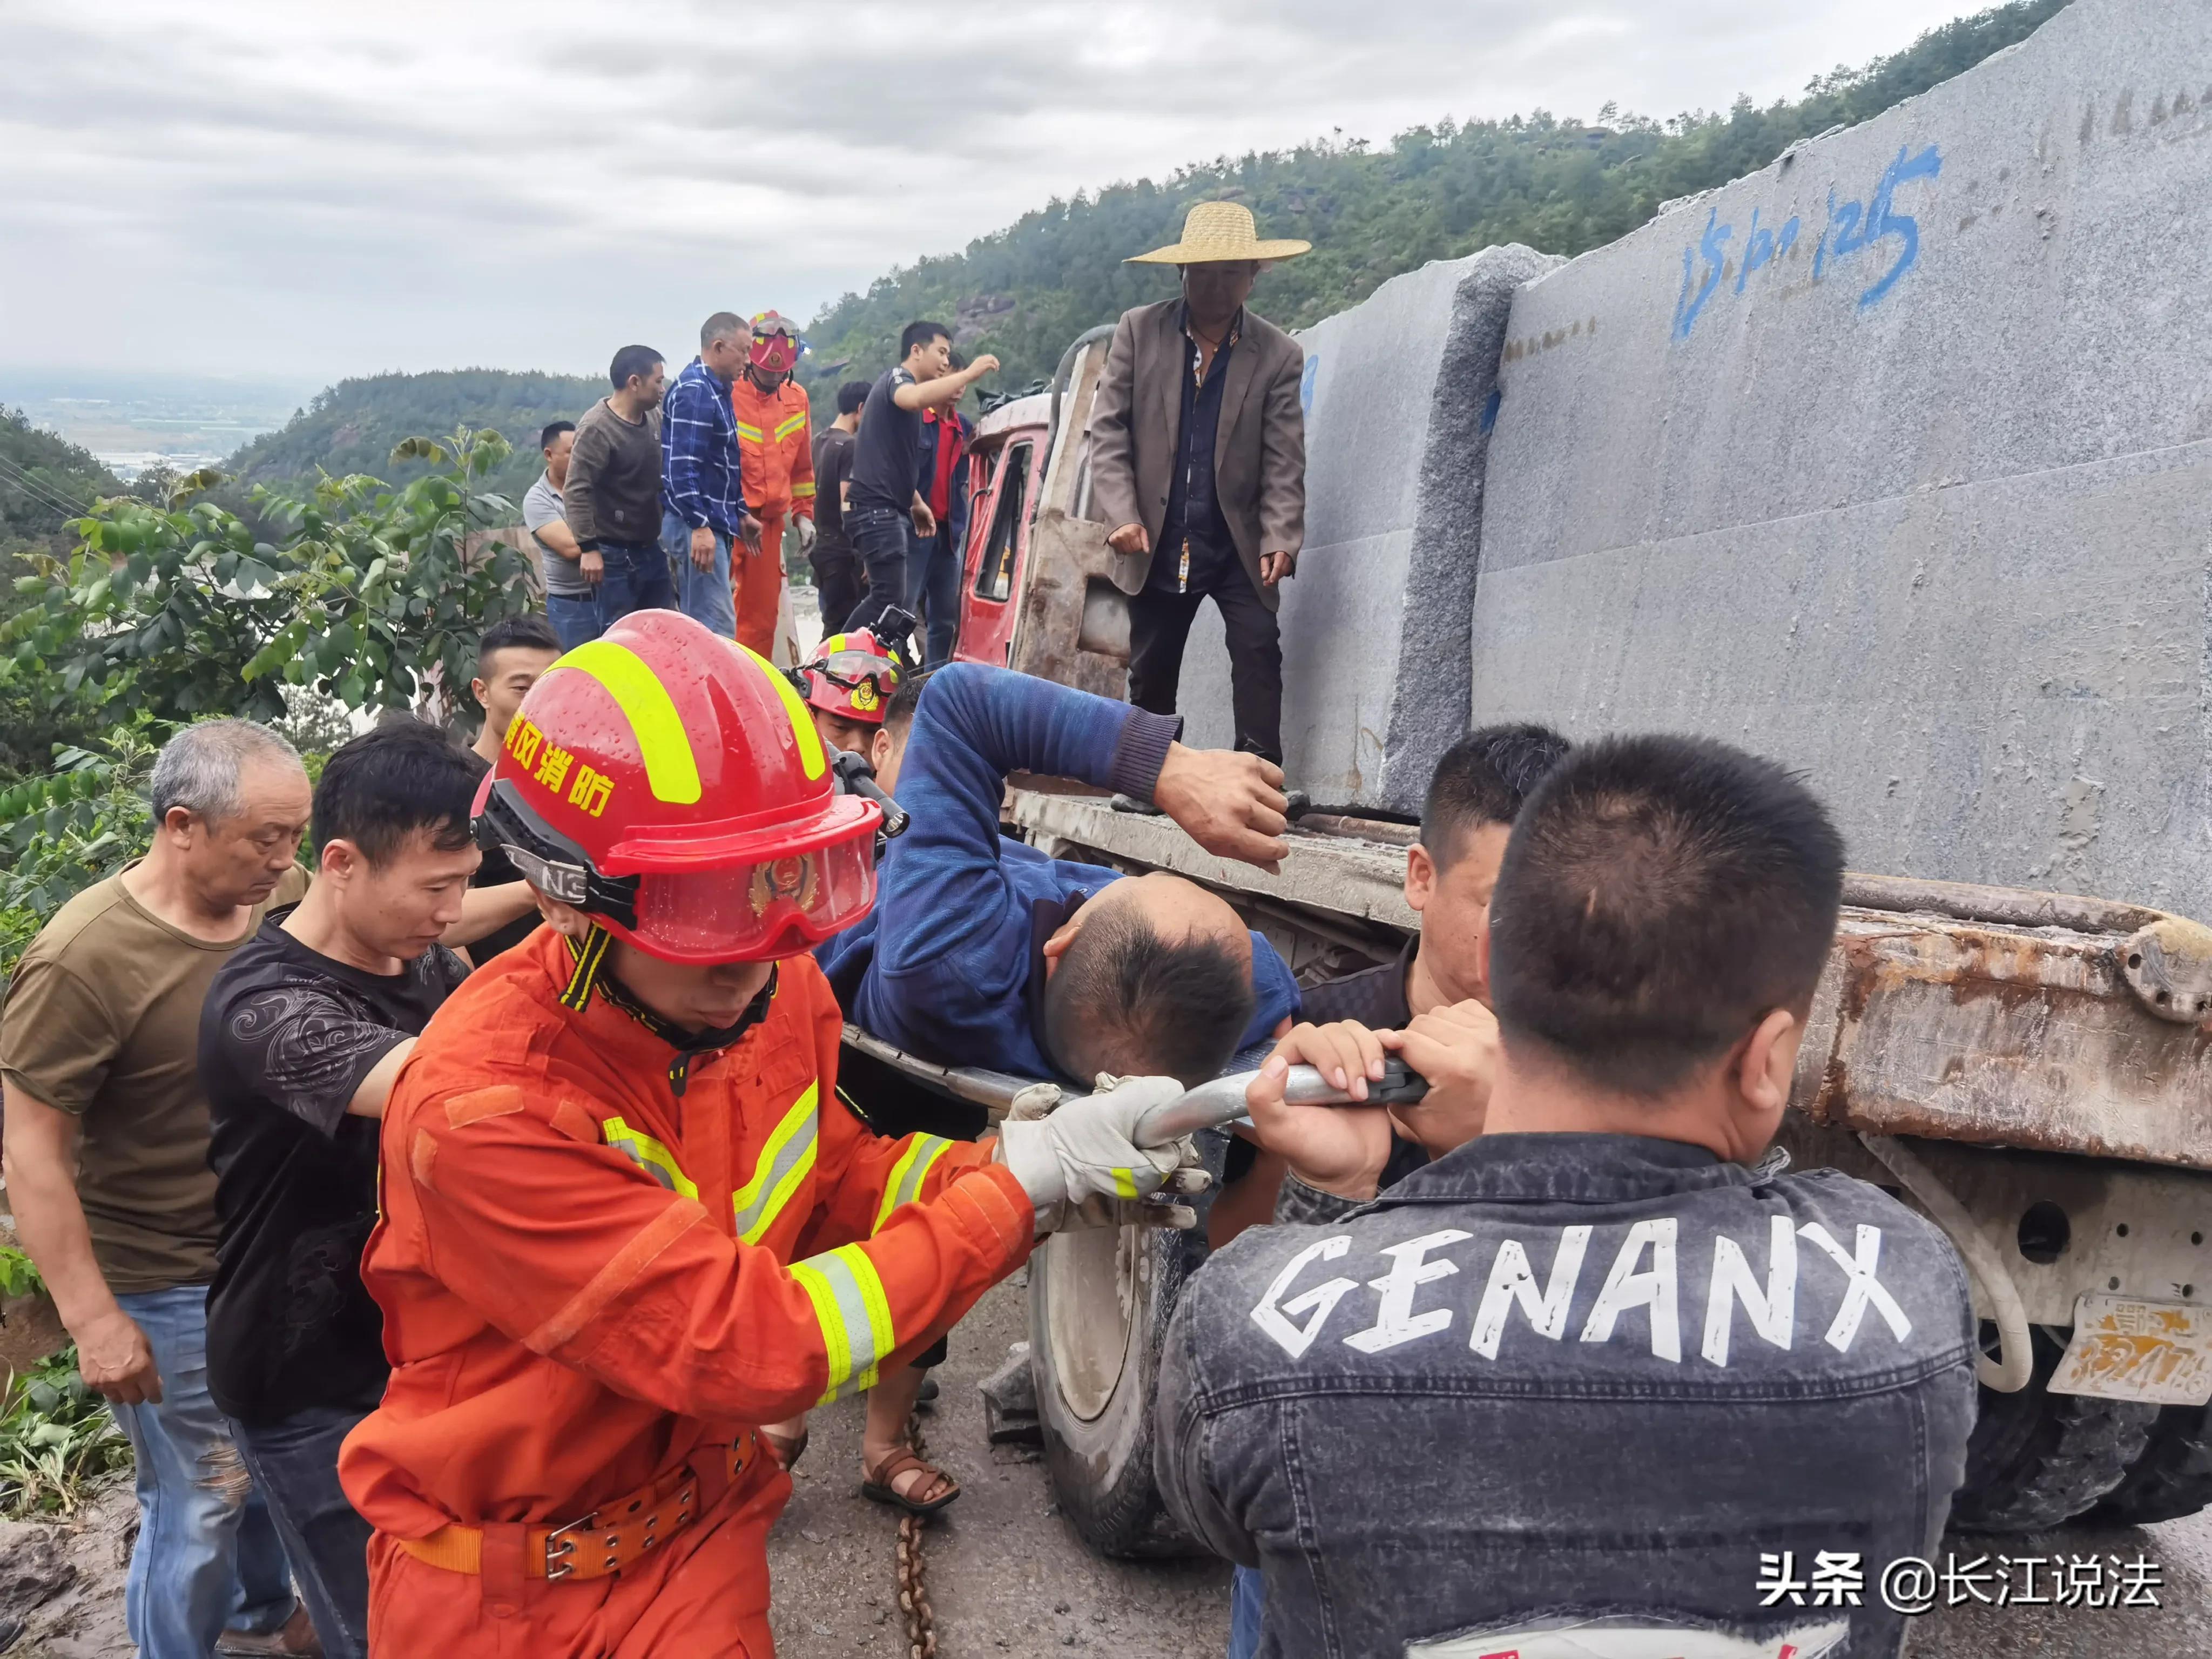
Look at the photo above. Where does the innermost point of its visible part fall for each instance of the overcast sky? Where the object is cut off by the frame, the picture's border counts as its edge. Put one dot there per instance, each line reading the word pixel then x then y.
pixel 311 191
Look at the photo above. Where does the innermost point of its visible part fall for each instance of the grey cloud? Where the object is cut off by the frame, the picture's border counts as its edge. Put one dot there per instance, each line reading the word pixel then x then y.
pixel 329 193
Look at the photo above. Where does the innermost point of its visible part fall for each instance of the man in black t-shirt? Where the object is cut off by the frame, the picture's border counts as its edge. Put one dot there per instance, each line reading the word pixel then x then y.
pixel 886 497
pixel 510 656
pixel 302 1034
pixel 1436 986
pixel 837 566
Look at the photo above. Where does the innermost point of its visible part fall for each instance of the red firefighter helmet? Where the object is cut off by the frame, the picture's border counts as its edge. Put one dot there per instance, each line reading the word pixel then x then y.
pixel 852 676
pixel 777 344
pixel 670 783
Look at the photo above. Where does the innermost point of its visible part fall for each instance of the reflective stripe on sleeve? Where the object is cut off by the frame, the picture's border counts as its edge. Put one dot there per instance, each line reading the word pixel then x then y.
pixel 649 1155
pixel 784 1162
pixel 907 1174
pixel 854 1317
pixel 802 492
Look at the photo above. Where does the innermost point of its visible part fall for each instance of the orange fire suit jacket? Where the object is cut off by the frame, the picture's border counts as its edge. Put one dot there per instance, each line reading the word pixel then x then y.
pixel 775 447
pixel 586 1277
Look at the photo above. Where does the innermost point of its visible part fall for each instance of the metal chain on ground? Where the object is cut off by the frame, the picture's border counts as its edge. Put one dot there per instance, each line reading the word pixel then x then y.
pixel 912 1590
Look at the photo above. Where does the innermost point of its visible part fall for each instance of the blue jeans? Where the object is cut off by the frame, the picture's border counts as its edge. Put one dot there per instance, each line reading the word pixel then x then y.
pixel 208 1555
pixel 575 617
pixel 879 536
pixel 702 595
pixel 635 578
pixel 1247 1596
pixel 294 1465
pixel 932 588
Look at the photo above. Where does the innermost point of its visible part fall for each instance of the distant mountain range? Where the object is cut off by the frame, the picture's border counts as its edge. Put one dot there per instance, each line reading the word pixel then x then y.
pixel 352 426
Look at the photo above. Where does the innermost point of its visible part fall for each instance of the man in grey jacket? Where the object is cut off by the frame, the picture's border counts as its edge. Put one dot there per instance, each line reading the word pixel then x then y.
pixel 1604 1370
pixel 1197 461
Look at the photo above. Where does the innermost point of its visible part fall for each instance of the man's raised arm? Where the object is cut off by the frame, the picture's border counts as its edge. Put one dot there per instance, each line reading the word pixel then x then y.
pixel 976 724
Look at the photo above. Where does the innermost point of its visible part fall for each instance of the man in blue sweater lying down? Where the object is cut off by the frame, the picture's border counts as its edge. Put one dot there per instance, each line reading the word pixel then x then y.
pixel 984 951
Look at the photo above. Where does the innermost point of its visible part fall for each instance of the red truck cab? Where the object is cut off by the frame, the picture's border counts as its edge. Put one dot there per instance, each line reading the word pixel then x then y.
pixel 1034 590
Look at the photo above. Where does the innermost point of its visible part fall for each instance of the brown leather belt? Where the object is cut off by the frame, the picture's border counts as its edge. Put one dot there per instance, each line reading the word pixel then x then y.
pixel 612 1537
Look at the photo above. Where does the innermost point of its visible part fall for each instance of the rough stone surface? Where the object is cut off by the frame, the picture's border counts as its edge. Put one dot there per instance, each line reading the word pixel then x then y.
pixel 1893 461
pixel 1376 623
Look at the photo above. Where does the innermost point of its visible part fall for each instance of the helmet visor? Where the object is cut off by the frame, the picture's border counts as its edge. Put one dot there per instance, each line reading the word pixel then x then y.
pixel 851 670
pixel 777 907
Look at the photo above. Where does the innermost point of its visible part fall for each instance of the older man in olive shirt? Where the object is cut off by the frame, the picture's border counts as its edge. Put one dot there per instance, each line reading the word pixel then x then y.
pixel 106 1138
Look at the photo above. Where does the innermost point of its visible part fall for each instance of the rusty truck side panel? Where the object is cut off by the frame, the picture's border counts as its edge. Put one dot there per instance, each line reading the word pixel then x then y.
pixel 1926 1023
pixel 2001 1035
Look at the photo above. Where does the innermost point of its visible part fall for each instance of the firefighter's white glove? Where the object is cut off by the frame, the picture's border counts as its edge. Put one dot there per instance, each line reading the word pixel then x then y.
pixel 1082 1151
pixel 806 536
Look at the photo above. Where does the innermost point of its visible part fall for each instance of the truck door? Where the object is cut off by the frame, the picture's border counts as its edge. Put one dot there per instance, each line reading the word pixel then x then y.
pixel 998 547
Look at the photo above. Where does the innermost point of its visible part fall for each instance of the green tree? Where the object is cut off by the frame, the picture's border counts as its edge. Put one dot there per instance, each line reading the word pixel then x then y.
pixel 370 593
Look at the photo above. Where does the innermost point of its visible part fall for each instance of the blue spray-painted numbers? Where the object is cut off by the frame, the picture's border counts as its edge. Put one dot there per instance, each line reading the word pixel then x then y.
pixel 1709 247
pixel 1852 226
pixel 1761 247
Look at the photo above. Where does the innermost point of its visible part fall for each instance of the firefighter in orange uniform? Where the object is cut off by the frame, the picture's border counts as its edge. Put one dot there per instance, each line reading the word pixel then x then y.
pixel 775 445
pixel 624 1219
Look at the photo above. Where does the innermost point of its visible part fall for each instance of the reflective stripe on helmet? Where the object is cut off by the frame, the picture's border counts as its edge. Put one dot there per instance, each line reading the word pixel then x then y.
pixel 810 758
pixel 671 769
pixel 855 1316
pixel 650 1155
pixel 907 1174
pixel 784 1162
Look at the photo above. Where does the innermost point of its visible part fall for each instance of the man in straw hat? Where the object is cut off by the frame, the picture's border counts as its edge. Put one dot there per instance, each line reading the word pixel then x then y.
pixel 1198 460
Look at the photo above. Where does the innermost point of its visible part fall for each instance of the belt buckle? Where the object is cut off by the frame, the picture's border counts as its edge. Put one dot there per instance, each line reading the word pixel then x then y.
pixel 554 1574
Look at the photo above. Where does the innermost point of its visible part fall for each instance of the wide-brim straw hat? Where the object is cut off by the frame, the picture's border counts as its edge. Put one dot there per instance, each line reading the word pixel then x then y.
pixel 1216 231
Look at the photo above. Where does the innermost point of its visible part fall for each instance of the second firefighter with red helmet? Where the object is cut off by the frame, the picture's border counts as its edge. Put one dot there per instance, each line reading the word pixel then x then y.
pixel 625 1219
pixel 849 682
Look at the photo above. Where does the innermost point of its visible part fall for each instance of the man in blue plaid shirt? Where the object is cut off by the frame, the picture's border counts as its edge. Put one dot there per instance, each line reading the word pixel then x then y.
pixel 704 506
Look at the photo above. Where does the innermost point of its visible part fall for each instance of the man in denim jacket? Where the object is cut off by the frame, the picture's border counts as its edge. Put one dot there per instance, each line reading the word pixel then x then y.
pixel 1602 1369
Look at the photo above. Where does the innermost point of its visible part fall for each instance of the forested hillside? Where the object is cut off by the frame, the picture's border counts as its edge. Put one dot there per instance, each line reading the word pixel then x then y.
pixel 1557 184
pixel 352 426
pixel 44 481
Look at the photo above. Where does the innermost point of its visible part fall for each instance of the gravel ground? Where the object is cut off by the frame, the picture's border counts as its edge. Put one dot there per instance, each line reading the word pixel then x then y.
pixel 1006 1573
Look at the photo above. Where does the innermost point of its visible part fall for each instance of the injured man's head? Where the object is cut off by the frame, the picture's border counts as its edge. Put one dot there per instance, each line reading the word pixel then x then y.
pixel 1152 977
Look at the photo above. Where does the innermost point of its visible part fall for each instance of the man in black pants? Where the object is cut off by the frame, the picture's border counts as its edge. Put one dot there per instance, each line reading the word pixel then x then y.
pixel 1198 460
pixel 302 1034
pixel 884 500
pixel 837 566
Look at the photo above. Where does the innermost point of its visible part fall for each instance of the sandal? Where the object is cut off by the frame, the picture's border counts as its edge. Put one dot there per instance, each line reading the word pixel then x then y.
pixel 787 1452
pixel 878 1488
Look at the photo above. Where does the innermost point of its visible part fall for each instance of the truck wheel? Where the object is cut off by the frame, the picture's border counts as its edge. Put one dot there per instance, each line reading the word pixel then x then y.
pixel 2037 1459
pixel 1099 1302
pixel 2172 1478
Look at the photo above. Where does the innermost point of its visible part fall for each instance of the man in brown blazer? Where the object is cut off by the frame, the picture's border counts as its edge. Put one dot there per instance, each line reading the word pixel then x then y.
pixel 1198 460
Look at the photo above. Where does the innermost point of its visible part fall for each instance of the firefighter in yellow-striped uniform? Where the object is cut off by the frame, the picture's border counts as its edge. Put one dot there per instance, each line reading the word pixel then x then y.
pixel 775 450
pixel 625 1218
